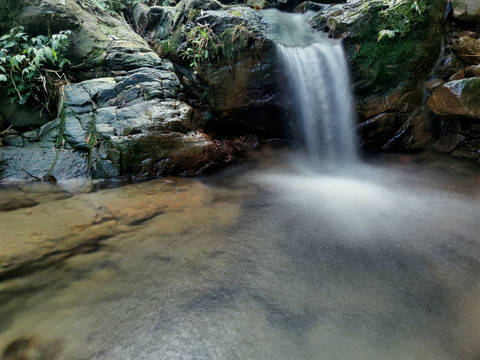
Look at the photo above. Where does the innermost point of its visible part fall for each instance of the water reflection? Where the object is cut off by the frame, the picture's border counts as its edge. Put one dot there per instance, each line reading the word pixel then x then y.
pixel 261 264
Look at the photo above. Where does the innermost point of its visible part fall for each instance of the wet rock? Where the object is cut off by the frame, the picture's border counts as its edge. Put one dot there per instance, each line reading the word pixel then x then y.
pixel 32 348
pixel 376 131
pixel 466 10
pixel 431 85
pixel 457 98
pixel 458 75
pixel 237 88
pixel 448 142
pixel 56 230
pixel 467 47
pixel 472 71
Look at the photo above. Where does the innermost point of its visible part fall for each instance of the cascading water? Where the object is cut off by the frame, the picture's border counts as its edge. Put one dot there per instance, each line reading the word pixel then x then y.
pixel 318 83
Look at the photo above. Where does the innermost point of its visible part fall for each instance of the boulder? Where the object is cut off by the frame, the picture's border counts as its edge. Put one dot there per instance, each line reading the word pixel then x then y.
pixel 466 10
pixel 467 46
pixel 101 43
pixel 134 125
pixel 236 86
pixel 458 98
pixel 21 117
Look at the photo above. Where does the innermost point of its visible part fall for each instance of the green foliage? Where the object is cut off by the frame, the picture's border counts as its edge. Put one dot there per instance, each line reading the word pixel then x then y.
pixel 29 65
pixel 233 40
pixel 399 15
pixel 170 45
pixel 202 45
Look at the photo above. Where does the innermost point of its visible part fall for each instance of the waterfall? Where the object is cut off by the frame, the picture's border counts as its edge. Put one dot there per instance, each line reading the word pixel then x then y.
pixel 318 84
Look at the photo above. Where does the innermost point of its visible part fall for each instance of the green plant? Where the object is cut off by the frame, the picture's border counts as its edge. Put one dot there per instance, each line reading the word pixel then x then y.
pixel 399 15
pixel 30 66
pixel 202 44
pixel 233 40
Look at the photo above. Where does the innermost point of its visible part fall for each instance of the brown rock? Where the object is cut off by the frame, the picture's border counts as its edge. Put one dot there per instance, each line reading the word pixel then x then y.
pixel 379 129
pixel 431 85
pixel 467 47
pixel 448 142
pixel 458 75
pixel 465 154
pixel 457 98
pixel 472 71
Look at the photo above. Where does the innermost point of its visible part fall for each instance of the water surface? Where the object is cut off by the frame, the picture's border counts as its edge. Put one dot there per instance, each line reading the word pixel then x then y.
pixel 268 260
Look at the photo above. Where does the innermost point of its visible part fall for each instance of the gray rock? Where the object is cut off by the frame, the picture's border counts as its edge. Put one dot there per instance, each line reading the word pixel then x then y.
pixel 21 117
pixel 21 164
pixel 466 10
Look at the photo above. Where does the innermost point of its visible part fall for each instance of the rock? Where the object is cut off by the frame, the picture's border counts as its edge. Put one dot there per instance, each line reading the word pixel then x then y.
pixel 458 75
pixel 101 43
pixel 32 348
pixel 55 229
pixel 22 117
pixel 309 6
pixel 377 131
pixel 457 98
pixel 465 154
pixel 466 10
pixel 448 142
pixel 432 84
pixel 29 163
pixel 472 71
pixel 238 87
pixel 467 47
pixel 13 140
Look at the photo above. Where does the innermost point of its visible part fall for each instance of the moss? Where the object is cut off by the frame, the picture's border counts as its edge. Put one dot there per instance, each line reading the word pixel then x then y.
pixel 471 93
pixel 381 65
pixel 381 61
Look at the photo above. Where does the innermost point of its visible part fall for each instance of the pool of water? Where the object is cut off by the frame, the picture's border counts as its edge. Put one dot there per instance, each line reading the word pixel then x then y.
pixel 267 260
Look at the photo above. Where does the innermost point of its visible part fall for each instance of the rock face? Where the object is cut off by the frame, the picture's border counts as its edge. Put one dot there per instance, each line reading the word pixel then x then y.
pixel 135 122
pixel 234 85
pixel 388 75
pixel 457 98
pixel 466 10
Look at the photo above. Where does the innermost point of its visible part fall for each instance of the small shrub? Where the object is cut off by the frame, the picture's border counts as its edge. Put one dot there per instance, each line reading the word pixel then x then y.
pixel 29 66
pixel 202 45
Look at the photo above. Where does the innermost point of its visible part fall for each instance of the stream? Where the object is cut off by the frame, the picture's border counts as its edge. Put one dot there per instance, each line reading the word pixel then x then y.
pixel 265 260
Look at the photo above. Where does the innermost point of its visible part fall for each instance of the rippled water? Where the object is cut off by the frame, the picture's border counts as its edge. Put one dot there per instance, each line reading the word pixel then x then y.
pixel 264 261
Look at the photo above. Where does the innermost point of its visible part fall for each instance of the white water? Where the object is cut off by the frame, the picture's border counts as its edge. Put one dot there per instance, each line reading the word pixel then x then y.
pixel 318 82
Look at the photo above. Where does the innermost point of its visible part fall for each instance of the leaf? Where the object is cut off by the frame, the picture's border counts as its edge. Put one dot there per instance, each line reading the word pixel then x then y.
pixel 4 37
pixel 49 54
pixel 388 33
pixel 3 77
pixel 9 44
pixel 2 68
pixel 19 58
